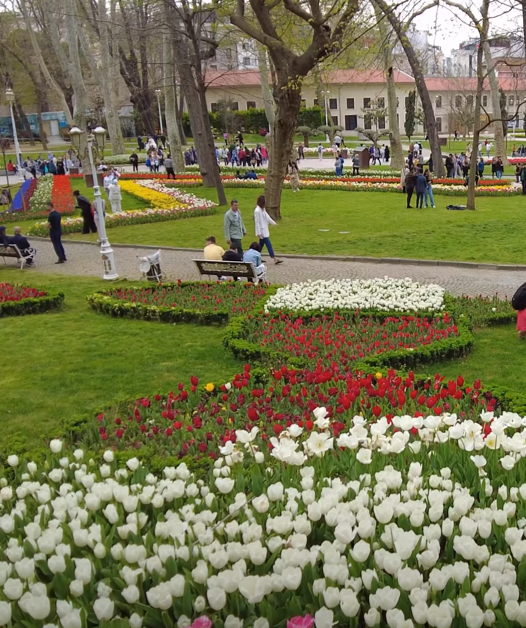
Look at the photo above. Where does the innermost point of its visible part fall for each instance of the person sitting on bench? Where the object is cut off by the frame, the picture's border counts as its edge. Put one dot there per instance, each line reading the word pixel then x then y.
pixel 253 256
pixel 20 241
pixel 232 255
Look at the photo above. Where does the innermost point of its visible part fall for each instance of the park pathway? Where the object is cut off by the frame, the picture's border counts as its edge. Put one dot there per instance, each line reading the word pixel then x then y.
pixel 84 260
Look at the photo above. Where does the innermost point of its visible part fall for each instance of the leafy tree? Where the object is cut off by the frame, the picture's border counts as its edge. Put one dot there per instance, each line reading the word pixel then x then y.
pixel 410 114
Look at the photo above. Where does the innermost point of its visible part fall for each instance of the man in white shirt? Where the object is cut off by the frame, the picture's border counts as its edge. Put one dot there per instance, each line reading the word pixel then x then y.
pixel 263 220
pixel 111 177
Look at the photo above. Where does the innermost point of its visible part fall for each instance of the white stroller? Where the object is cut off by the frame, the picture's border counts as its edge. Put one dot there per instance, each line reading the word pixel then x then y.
pixel 150 267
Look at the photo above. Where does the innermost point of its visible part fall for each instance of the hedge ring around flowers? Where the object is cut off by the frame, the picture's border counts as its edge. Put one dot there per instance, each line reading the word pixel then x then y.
pixel 17 300
pixel 185 301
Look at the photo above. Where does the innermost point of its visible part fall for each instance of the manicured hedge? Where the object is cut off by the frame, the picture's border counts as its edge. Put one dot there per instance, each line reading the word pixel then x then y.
pixel 32 306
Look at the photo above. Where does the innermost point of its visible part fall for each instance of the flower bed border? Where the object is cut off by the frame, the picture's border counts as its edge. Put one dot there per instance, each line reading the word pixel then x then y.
pixel 103 303
pixel 49 301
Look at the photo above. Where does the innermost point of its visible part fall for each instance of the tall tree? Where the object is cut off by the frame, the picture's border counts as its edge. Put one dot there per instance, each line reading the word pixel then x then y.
pixel 410 114
pixel 397 156
pixel 324 29
pixel 194 42
pixel 170 100
pixel 266 91
pixel 400 28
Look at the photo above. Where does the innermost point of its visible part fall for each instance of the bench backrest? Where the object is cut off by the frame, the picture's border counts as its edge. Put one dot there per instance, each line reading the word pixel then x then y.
pixel 10 251
pixel 220 268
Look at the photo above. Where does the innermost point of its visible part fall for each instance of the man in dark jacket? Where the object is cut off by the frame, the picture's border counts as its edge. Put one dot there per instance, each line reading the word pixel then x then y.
pixel 20 241
pixel 55 232
pixel 410 180
pixel 85 209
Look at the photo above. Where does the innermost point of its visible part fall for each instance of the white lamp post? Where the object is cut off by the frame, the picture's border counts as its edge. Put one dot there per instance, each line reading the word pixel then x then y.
pixel 106 252
pixel 158 92
pixel 10 97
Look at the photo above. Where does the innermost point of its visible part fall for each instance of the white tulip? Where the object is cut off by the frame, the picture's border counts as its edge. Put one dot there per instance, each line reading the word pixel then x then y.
pixel 104 608
pixel 131 594
pixel 160 596
pixel 133 464
pixel 12 461
pixel 38 607
pixel 216 598
pixel 56 446
pixel 135 621
pixel 76 588
pixel 5 613
pixel 324 618
pixel 108 456
pixel 233 622
pixel 224 485
pixel 13 588
pixel 261 623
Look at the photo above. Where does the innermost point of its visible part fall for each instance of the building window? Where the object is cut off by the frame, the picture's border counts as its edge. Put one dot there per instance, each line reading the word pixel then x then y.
pixel 469 100
pixel 484 101
pixel 511 100
pixel 333 103
pixel 438 102
pixel 335 120
pixel 458 101
pixel 350 104
pixel 367 122
pixel 303 103
pixel 244 46
pixel 315 103
pixel 380 103
pixel 246 60
pixel 213 107
pixel 439 124
pixel 381 122
pixel 234 106
pixel 366 103
pixel 251 104
pixel 351 122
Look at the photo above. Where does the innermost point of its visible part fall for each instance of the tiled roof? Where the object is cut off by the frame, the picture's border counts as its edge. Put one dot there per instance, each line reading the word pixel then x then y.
pixel 467 84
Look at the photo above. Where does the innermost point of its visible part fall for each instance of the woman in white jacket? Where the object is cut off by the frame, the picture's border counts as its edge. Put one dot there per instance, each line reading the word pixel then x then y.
pixel 263 220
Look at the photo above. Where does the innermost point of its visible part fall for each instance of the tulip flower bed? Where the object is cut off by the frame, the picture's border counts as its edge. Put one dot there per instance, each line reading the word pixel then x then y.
pixel 345 339
pixel 188 301
pixel 163 197
pixel 17 300
pixel 136 217
pixel 196 420
pixel 482 311
pixel 62 195
pixel 42 195
pixel 386 295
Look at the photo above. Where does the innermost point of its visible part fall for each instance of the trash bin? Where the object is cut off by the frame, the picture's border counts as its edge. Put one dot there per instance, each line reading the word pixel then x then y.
pixel 442 141
pixel 150 267
pixel 74 170
pixel 88 179
pixel 345 153
pixel 363 152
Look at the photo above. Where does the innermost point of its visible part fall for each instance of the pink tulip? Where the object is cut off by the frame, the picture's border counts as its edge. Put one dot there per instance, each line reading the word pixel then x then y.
pixel 301 622
pixel 202 622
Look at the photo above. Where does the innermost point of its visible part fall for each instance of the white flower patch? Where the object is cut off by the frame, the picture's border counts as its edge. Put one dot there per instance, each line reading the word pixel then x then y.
pixel 387 294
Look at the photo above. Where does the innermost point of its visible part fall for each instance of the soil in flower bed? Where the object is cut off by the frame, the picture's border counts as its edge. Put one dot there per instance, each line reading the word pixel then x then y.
pixel 195 420
pixel 201 297
pixel 10 292
pixel 344 339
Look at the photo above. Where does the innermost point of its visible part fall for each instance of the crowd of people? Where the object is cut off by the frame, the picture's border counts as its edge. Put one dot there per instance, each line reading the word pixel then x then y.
pixel 34 168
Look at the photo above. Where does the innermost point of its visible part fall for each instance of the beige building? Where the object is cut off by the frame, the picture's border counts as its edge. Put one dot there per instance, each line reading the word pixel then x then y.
pixel 349 93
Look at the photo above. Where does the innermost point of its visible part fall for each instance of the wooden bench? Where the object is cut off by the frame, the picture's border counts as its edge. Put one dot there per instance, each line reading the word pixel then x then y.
pixel 12 251
pixel 236 270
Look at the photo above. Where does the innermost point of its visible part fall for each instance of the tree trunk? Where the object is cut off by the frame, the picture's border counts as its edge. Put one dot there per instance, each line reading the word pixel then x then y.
pixel 266 92
pixel 500 142
pixel 288 98
pixel 397 155
pixel 23 122
pixel 179 108
pixel 425 99
pixel 170 98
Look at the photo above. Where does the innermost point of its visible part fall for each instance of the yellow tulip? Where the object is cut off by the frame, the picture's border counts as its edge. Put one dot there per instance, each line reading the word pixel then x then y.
pixel 209 387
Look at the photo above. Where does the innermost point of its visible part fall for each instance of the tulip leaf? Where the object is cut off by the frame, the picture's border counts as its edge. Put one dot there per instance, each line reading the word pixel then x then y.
pixel 502 620
pixel 521 576
pixel 257 480
pixel 166 619
pixel 42 565
pixel 27 624
pixel 29 550
pixel 61 586
pixel 171 567
pixel 153 619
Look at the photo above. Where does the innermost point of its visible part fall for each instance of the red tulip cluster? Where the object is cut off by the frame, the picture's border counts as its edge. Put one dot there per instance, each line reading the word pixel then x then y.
pixel 236 297
pixel 9 292
pixel 344 339
pixel 196 421
pixel 62 195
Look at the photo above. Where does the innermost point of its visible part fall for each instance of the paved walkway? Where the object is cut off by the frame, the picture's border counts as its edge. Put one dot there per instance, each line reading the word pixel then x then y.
pixel 84 259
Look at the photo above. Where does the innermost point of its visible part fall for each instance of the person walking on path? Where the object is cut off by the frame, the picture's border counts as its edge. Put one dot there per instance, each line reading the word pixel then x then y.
pixel 85 209
pixel 480 167
pixel 421 189
pixel 356 165
pixel 294 176
pixel 134 160
pixel 234 227
pixel 499 167
pixel 320 151
pixel 410 181
pixel 262 221
pixel 55 232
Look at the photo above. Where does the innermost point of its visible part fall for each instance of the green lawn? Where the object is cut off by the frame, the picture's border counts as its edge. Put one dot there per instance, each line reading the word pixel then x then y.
pixel 379 225
pixel 72 361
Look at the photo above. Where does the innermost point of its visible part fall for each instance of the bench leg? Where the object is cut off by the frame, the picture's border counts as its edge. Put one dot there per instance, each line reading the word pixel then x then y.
pixel 22 263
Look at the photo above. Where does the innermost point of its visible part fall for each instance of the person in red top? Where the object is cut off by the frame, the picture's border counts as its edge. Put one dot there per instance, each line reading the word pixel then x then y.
pixel 241 156
pixel 10 166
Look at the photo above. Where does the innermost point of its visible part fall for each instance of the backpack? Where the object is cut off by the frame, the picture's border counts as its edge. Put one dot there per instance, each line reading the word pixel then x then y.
pixel 518 301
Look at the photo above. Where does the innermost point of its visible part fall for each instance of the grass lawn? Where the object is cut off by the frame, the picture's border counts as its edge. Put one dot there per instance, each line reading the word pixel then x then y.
pixel 72 361
pixel 378 223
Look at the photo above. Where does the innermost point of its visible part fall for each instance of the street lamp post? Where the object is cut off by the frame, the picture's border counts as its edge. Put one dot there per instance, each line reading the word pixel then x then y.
pixel 106 252
pixel 10 97
pixel 158 92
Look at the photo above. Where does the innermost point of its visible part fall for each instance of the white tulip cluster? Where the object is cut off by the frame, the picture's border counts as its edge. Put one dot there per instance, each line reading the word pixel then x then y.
pixel 386 295
pixel 396 547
